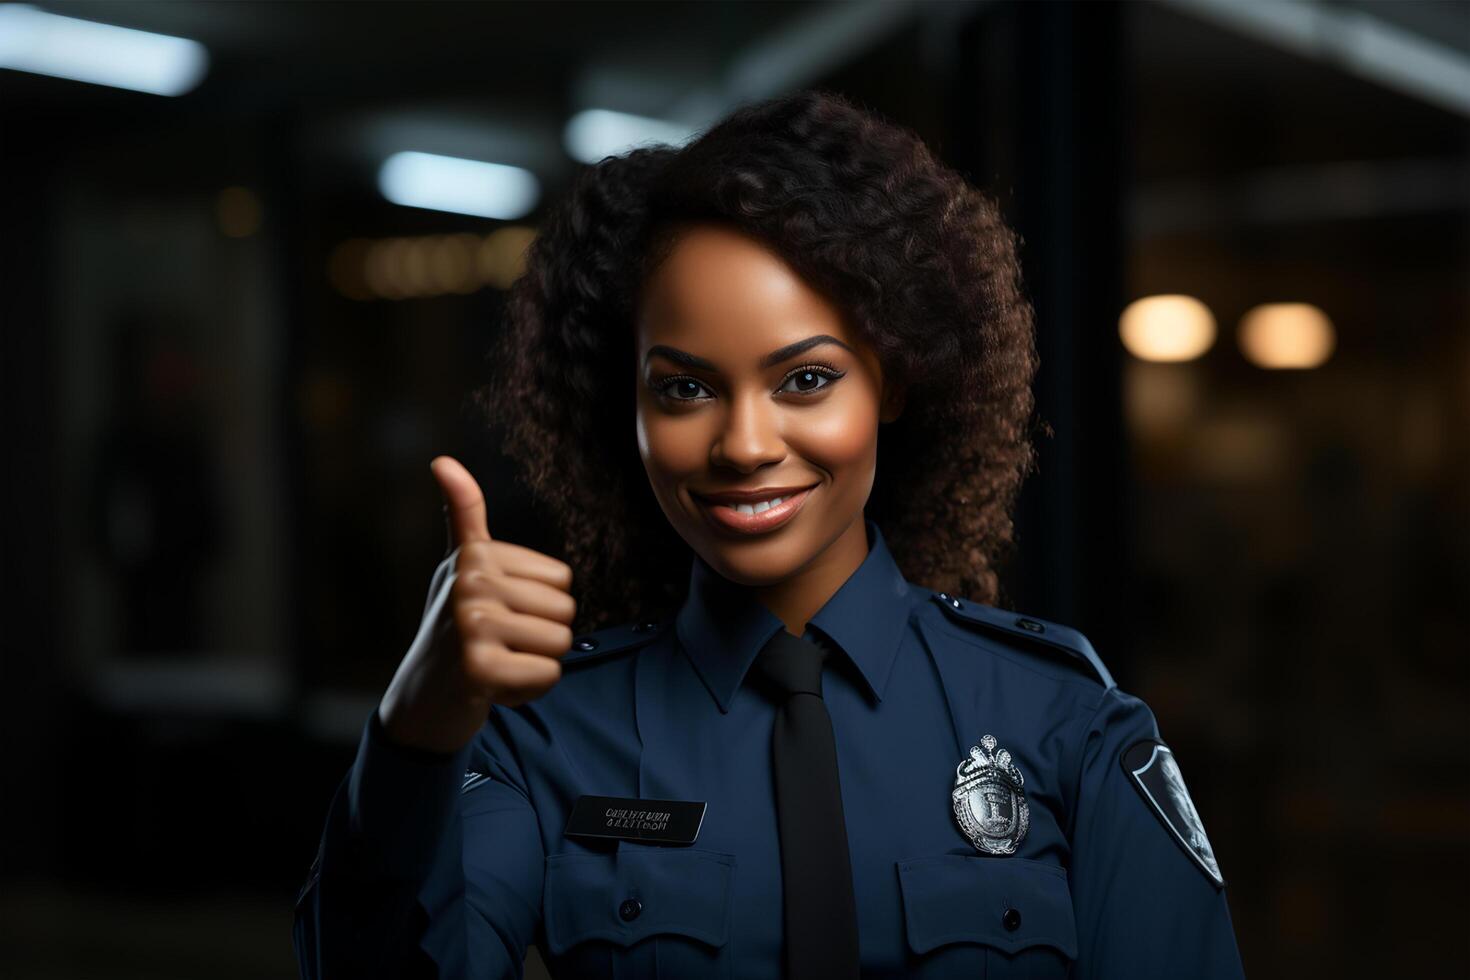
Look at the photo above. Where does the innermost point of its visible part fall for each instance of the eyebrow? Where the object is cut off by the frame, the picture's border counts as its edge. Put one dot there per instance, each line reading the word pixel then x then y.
pixel 774 357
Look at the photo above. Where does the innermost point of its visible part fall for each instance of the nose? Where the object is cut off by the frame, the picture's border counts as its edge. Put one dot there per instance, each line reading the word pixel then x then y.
pixel 751 435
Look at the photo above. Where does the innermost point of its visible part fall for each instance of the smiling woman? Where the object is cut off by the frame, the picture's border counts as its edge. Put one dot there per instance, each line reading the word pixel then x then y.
pixel 755 435
pixel 796 217
pixel 775 387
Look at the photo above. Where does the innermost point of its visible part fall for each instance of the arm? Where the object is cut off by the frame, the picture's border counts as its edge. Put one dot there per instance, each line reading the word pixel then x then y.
pixel 416 878
pixel 423 872
pixel 1146 905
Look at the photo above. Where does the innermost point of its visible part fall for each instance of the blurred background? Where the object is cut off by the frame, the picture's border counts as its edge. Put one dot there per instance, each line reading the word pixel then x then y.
pixel 247 279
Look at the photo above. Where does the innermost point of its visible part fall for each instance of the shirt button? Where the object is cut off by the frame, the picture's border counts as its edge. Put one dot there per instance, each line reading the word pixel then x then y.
pixel 629 910
pixel 1011 919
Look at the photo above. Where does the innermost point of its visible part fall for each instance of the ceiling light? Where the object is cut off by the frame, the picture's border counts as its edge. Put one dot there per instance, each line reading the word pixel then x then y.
pixel 85 51
pixel 1168 327
pixel 439 183
pixel 1286 335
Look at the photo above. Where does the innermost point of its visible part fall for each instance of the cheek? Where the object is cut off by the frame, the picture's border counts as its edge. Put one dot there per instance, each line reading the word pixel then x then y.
pixel 672 446
pixel 843 436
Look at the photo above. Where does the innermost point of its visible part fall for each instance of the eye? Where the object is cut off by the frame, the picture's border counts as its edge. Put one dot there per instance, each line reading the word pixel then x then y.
pixel 810 378
pixel 680 388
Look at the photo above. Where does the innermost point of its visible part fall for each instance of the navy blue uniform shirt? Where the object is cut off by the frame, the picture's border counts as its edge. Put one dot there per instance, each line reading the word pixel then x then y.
pixel 449 865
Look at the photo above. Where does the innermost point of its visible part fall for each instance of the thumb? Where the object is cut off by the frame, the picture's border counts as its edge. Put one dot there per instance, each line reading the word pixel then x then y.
pixel 464 503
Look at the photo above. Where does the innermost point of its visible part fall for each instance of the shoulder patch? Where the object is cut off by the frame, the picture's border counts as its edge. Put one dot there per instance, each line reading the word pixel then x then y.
pixel 1150 765
pixel 589 647
pixel 1026 631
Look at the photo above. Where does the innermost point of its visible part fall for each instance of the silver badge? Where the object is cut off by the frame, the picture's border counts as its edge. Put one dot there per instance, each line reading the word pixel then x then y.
pixel 989 804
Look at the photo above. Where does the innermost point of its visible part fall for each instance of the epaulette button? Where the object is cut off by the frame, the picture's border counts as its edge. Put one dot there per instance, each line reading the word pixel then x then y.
pixel 644 627
pixel 950 599
pixel 586 643
pixel 1031 624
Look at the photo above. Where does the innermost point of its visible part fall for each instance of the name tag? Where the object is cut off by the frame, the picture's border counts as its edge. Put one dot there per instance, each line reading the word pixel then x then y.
pixel 645 821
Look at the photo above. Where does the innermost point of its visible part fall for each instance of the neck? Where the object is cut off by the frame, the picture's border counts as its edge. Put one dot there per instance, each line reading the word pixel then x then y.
pixel 795 600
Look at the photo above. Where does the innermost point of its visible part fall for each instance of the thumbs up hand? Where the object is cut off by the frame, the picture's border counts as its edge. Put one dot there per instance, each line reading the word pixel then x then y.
pixel 496 637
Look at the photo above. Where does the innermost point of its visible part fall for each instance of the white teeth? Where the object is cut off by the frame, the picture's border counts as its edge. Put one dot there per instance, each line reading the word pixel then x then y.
pixel 757 507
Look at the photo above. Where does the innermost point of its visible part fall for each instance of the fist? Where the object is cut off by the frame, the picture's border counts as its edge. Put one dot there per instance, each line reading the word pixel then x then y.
pixel 496 637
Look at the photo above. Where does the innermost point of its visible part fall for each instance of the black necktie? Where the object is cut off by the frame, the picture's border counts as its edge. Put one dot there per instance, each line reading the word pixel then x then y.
pixel 816 873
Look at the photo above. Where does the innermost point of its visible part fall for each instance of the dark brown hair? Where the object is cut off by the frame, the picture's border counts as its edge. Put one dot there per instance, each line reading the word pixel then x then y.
pixel 920 261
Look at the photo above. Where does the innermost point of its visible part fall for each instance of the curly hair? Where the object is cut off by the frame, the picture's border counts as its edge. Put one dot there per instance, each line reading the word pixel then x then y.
pixel 920 261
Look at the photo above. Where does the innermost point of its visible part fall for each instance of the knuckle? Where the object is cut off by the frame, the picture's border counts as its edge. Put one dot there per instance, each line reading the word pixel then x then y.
pixel 476 623
pixel 482 613
pixel 475 553
pixel 470 617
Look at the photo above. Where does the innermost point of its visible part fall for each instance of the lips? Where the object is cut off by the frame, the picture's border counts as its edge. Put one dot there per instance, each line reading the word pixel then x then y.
pixel 738 512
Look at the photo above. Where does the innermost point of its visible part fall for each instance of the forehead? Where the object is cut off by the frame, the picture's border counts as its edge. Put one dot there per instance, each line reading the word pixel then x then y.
pixel 720 290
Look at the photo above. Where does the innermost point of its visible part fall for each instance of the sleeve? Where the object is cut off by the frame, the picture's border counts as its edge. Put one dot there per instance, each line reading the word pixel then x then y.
pixel 1147 893
pixel 430 865
pixel 424 869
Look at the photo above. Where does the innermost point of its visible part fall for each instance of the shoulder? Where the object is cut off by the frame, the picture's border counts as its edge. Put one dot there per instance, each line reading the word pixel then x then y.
pixel 1039 641
pixel 604 645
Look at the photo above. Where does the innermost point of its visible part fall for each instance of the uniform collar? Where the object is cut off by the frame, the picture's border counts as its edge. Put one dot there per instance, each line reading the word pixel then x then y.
pixel 722 627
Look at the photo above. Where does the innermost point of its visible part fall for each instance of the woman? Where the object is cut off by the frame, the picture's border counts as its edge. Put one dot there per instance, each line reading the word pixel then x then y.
pixel 728 366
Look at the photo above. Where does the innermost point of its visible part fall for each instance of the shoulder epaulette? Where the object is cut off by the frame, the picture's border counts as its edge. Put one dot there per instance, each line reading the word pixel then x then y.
pixel 614 639
pixel 1026 631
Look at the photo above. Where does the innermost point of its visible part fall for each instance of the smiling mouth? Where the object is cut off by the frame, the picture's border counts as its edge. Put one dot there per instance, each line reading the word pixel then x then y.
pixel 756 518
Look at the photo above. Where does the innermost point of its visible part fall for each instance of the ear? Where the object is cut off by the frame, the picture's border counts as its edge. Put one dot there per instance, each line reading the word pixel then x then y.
pixel 892 402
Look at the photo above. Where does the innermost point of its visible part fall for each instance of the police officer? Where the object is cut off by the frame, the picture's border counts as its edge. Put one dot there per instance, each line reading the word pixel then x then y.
pixel 1012 812
pixel 816 767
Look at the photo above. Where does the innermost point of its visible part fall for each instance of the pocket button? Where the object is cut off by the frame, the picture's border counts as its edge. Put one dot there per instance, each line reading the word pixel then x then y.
pixel 629 910
pixel 1011 919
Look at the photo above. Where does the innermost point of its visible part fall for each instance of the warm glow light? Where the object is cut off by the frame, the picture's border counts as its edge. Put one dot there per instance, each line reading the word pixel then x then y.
pixel 1168 327
pixel 1286 335
pixel 429 265
pixel 593 134
pixel 503 255
pixel 383 269
pixel 439 183
pixel 452 263
pixel 414 266
pixel 85 51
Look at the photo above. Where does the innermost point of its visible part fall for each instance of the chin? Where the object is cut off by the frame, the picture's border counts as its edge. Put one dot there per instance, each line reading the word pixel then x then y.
pixel 762 559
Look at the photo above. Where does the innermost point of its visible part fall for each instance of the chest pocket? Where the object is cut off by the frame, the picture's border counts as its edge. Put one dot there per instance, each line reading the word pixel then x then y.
pixel 971 915
pixel 598 908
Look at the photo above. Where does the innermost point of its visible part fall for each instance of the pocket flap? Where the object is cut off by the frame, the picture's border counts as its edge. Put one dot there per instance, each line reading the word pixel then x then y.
pixel 635 892
pixel 1009 903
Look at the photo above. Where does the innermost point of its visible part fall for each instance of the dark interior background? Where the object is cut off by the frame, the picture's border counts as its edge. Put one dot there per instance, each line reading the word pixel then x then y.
pixel 220 523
